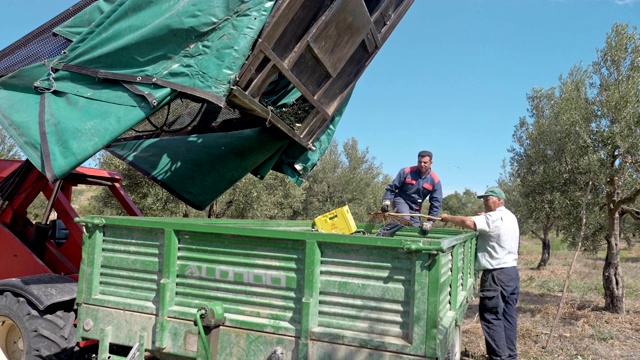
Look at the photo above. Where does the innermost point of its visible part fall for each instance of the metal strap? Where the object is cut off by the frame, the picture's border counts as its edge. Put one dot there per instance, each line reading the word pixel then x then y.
pixel 143 80
pixel 136 90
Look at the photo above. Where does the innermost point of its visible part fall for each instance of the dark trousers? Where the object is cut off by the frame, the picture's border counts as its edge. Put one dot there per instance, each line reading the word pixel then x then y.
pixel 499 290
pixel 402 207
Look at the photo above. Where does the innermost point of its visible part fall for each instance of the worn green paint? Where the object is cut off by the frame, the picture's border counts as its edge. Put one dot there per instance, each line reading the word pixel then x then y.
pixel 310 296
pixel 282 285
pixel 167 286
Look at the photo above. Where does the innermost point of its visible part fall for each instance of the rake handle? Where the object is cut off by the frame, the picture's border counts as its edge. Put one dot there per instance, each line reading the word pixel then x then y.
pixel 419 215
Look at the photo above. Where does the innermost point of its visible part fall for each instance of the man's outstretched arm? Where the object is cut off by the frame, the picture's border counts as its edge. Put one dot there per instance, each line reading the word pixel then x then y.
pixel 462 221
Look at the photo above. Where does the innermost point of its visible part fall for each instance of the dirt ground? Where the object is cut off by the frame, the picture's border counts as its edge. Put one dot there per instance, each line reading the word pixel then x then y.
pixel 584 330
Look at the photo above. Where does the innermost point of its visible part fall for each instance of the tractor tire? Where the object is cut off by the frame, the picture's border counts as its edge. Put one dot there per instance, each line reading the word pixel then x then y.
pixel 455 351
pixel 27 333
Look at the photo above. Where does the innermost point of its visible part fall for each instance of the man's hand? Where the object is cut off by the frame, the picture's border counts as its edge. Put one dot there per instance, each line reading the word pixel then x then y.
pixel 386 206
pixel 425 228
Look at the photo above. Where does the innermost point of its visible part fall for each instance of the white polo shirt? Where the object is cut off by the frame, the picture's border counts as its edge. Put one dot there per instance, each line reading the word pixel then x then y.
pixel 498 239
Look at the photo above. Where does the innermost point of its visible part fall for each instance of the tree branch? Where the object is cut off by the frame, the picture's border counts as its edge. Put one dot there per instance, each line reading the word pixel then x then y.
pixel 634 213
pixel 631 198
pixel 224 210
pixel 536 235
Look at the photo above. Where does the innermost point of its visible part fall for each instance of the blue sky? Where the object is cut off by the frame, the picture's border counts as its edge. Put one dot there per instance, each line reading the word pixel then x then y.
pixel 454 75
pixel 452 78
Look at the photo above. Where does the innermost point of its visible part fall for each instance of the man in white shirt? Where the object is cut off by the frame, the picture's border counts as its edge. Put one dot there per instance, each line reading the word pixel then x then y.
pixel 497 258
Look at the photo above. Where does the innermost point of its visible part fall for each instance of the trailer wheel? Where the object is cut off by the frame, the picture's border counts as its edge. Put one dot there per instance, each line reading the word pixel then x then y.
pixel 454 352
pixel 26 333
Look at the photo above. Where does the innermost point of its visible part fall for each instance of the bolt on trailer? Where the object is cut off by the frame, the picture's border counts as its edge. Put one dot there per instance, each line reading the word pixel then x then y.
pixel 246 289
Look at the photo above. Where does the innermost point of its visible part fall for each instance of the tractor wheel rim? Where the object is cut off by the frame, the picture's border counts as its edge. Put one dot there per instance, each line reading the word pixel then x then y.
pixel 11 341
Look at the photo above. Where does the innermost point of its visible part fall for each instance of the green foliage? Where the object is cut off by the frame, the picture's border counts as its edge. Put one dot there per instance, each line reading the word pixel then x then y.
pixel 594 232
pixel 559 245
pixel 551 285
pixel 36 208
pixel 347 177
pixel 274 197
pixel 465 203
pixel 633 288
pixel 351 177
pixel 8 148
pixel 602 333
pixel 550 162
pixel 584 131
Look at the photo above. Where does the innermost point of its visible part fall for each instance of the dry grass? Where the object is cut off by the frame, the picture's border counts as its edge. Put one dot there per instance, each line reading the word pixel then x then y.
pixel 584 330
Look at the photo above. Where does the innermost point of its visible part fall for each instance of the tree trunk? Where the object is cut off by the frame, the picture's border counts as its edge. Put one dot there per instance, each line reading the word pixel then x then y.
pixel 546 253
pixel 546 244
pixel 612 279
pixel 211 211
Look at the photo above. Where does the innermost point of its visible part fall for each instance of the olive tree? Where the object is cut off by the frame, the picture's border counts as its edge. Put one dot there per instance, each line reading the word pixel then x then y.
pixel 616 140
pixel 583 131
pixel 548 157
pixel 274 197
pixel 532 157
pixel 465 203
pixel 348 177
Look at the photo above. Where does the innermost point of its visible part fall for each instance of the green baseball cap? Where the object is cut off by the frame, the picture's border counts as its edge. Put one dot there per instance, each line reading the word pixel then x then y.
pixel 493 191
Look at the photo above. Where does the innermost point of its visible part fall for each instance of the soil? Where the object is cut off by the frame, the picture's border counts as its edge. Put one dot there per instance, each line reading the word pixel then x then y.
pixel 584 330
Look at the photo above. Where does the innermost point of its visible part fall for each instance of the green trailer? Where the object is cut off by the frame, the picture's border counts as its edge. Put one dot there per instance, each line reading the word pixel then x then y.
pixel 246 289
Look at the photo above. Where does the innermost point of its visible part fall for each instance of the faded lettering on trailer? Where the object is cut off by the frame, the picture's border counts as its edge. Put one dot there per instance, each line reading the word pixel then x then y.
pixel 224 273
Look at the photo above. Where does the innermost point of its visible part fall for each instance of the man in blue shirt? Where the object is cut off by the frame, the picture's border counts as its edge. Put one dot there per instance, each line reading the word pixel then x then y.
pixel 407 192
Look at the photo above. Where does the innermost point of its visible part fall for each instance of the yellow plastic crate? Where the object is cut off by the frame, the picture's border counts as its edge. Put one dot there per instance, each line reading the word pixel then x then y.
pixel 337 221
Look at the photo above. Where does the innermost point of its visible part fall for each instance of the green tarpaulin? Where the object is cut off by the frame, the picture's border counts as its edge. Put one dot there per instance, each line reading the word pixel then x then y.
pixel 127 59
pixel 199 168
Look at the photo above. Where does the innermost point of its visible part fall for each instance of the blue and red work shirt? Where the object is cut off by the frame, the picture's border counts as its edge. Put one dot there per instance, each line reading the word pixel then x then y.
pixel 414 188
